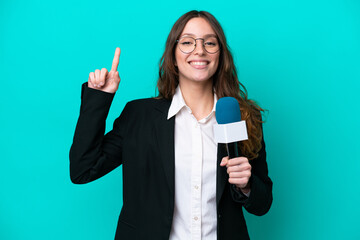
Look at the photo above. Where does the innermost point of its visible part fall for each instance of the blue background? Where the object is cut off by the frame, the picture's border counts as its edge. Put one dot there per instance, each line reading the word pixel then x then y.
pixel 298 59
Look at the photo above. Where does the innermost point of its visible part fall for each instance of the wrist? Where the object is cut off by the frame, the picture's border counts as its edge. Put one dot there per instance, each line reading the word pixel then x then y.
pixel 245 189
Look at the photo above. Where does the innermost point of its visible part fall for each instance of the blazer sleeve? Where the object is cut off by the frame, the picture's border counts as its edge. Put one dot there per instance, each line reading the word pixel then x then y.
pixel 92 155
pixel 260 199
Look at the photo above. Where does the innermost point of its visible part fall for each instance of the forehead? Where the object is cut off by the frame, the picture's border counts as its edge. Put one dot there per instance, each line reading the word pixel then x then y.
pixel 198 27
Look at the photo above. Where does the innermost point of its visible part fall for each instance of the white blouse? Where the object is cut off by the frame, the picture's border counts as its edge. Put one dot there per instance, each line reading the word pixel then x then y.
pixel 195 173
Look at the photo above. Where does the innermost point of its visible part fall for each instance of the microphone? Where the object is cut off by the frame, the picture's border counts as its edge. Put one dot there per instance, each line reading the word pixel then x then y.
pixel 230 129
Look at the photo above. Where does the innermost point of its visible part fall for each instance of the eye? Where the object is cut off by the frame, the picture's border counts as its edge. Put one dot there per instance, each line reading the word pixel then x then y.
pixel 211 43
pixel 186 43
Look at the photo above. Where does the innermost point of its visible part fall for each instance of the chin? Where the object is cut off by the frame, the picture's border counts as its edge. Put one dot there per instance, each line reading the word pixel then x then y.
pixel 198 78
pixel 202 78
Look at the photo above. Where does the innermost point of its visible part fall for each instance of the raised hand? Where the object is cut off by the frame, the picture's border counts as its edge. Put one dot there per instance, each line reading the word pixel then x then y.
pixel 104 80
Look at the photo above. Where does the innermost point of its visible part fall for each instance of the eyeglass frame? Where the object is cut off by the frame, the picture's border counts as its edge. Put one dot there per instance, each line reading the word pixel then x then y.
pixel 203 44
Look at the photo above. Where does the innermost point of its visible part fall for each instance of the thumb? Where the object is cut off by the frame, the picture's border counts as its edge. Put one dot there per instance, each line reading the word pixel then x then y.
pixel 224 161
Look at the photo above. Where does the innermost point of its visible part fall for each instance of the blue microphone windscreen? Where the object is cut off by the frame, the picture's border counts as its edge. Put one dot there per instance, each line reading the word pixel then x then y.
pixel 227 110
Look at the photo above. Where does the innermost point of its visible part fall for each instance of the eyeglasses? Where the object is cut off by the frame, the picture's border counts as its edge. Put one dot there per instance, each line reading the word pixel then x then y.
pixel 188 44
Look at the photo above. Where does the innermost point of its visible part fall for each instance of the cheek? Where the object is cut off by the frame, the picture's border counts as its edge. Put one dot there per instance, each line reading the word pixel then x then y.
pixel 216 64
pixel 178 57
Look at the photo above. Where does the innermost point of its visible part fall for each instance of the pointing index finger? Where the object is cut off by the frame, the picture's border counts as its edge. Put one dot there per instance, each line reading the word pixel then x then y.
pixel 116 59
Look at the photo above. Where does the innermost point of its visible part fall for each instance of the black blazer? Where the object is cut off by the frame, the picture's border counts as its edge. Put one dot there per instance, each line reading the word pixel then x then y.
pixel 142 140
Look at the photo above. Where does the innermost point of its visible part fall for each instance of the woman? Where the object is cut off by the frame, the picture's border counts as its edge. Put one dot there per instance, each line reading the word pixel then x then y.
pixel 177 182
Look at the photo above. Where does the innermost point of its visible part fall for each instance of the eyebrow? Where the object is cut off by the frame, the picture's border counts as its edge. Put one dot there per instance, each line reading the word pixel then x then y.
pixel 193 35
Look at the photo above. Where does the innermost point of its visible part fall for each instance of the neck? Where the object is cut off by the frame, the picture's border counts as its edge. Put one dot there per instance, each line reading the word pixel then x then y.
pixel 199 97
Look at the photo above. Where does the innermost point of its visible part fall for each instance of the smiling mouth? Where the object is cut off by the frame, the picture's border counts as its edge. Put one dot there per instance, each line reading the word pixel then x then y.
pixel 202 64
pixel 199 63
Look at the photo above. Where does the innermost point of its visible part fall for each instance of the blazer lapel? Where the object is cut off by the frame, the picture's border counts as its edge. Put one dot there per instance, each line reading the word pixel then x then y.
pixel 164 130
pixel 221 173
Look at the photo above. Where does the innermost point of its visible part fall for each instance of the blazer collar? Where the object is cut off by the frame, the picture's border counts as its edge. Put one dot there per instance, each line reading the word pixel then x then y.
pixel 164 130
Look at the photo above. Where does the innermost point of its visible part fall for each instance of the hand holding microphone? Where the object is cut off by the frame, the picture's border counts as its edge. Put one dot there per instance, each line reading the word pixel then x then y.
pixel 104 80
pixel 230 130
pixel 239 170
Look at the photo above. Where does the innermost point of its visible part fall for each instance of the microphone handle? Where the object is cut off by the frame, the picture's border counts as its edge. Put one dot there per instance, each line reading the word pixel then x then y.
pixel 232 150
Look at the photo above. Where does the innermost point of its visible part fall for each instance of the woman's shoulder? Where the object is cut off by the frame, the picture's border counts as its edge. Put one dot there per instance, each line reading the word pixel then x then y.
pixel 147 105
pixel 148 102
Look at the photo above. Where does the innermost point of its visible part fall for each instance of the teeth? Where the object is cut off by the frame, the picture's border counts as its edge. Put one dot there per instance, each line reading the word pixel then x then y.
pixel 198 63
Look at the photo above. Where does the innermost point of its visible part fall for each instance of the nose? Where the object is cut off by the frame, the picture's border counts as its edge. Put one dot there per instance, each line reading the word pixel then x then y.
pixel 199 47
